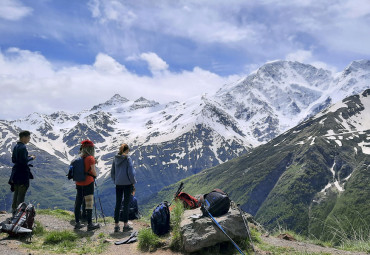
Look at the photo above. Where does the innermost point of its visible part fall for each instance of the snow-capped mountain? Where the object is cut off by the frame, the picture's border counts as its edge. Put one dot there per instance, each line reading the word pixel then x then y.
pixel 175 140
pixel 313 178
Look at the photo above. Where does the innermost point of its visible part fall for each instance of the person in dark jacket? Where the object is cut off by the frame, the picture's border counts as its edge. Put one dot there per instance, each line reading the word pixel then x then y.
pixel 123 176
pixel 21 172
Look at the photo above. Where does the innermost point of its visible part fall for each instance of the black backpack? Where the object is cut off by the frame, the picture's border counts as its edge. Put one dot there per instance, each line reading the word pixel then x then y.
pixel 160 219
pixel 21 223
pixel 218 203
pixel 77 170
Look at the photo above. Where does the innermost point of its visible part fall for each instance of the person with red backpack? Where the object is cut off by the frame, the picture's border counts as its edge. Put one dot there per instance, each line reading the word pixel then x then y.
pixel 85 188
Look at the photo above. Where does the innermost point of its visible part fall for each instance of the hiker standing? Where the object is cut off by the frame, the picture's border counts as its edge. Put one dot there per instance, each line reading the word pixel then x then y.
pixel 123 176
pixel 21 172
pixel 85 189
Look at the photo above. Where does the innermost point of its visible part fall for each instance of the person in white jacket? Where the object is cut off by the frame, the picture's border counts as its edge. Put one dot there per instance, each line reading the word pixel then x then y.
pixel 123 176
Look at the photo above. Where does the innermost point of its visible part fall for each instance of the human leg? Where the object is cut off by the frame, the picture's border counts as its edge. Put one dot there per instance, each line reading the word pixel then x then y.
pixel 119 195
pixel 89 200
pixel 78 202
pixel 15 198
pixel 127 189
pixel 20 191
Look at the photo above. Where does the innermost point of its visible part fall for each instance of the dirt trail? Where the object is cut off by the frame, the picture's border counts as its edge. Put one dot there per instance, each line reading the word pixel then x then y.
pixel 13 246
pixel 306 247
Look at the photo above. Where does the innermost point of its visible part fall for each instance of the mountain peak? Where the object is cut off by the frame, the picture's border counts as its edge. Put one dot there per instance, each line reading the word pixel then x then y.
pixel 143 103
pixel 141 99
pixel 113 101
pixel 357 65
pixel 118 98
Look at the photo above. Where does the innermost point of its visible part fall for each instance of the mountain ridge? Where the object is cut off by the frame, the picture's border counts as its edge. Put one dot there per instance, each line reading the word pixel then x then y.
pixel 312 179
pixel 175 140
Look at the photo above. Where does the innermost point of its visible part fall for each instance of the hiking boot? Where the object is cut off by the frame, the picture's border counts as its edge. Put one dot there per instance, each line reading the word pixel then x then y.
pixel 79 225
pixel 92 226
pixel 127 228
pixel 116 229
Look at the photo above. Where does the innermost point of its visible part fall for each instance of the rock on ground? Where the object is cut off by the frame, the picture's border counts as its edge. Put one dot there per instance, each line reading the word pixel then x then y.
pixel 200 233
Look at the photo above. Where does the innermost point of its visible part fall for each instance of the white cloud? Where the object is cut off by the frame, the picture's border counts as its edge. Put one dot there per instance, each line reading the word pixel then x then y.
pixel 306 56
pixel 200 21
pixel 13 10
pixel 156 64
pixel 111 10
pixel 300 56
pixel 23 63
pixel 108 65
pixel 353 9
pixel 30 83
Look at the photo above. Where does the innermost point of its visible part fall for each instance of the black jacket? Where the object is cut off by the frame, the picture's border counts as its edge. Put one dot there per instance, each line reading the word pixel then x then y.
pixel 21 173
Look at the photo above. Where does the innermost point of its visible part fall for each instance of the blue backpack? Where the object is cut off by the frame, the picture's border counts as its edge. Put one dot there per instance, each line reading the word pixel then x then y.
pixel 160 220
pixel 77 170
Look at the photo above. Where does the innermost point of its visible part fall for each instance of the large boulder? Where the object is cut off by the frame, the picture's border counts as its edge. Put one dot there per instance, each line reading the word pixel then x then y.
pixel 200 233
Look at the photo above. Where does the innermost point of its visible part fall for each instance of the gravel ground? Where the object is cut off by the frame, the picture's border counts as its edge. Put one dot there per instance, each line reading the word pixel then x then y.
pixel 305 247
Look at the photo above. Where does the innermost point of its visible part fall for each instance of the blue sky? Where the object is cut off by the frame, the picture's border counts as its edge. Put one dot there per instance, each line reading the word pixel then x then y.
pixel 51 52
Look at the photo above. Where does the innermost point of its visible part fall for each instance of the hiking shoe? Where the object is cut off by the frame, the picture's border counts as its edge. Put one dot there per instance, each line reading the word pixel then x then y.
pixel 116 229
pixel 127 228
pixel 79 225
pixel 92 226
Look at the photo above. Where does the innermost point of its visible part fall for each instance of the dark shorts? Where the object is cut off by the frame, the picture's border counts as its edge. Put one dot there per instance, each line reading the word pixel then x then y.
pixel 86 190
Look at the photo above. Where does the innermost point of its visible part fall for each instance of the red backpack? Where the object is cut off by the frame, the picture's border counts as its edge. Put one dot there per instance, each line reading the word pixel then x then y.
pixel 189 201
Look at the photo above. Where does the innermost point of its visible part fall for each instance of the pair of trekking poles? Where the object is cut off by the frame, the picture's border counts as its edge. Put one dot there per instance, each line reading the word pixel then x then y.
pixel 101 207
pixel 218 225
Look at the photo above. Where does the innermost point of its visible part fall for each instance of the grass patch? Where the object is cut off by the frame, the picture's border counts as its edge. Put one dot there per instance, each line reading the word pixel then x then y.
pixel 107 220
pixel 55 237
pixel 176 214
pixel 38 229
pixel 148 241
pixel 59 213
pixel 66 242
pixel 356 245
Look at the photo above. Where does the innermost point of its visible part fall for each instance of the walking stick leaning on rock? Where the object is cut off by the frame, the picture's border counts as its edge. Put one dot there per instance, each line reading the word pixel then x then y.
pixel 219 226
pixel 247 227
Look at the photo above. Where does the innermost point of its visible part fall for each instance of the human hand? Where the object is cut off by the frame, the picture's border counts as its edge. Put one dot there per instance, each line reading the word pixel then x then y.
pixel 33 156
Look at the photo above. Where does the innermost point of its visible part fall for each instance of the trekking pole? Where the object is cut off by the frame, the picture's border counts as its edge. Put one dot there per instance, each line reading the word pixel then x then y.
pixel 96 215
pixel 101 207
pixel 181 187
pixel 247 227
pixel 219 226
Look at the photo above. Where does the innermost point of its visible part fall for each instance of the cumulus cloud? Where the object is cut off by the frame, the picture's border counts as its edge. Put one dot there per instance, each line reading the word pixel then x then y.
pixel 156 64
pixel 13 10
pixel 107 64
pixel 31 83
pixel 258 30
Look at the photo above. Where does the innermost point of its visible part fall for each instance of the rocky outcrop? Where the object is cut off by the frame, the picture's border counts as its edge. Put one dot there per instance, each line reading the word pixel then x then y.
pixel 201 233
